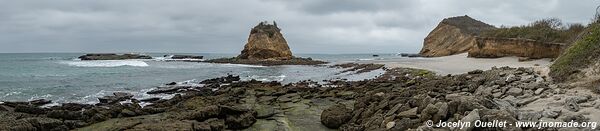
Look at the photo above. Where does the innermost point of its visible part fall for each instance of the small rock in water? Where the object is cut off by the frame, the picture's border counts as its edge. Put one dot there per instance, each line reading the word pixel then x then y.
pixel 123 95
pixel 117 97
pixel 40 102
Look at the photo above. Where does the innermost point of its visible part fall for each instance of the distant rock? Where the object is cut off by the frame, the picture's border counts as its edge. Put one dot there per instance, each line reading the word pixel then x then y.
pixel 112 56
pixel 266 42
pixel 186 57
pixel 453 35
pixel 409 55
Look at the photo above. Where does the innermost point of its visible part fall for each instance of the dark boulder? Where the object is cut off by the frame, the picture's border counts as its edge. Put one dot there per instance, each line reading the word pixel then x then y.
pixel 335 116
pixel 65 115
pixel 237 117
pixel 220 80
pixel 30 109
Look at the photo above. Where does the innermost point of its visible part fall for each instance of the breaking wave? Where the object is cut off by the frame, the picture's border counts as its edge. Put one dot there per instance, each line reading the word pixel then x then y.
pixel 279 78
pixel 106 63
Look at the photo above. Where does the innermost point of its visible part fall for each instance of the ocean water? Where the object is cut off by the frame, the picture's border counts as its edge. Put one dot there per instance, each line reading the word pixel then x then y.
pixel 62 78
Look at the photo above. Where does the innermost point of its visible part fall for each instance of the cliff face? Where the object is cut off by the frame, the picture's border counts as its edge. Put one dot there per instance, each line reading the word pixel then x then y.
pixel 500 47
pixel 453 36
pixel 580 63
pixel 266 42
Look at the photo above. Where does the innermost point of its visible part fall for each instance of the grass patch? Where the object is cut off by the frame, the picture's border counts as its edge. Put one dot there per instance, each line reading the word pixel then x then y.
pixel 578 56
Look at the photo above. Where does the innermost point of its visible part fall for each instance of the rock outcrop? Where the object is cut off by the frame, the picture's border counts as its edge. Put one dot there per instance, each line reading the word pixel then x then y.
pixel 487 47
pixel 266 42
pixel 266 46
pixel 453 35
pixel 112 56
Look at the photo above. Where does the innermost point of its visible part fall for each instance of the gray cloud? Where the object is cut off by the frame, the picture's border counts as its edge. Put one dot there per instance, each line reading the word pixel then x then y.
pixel 310 26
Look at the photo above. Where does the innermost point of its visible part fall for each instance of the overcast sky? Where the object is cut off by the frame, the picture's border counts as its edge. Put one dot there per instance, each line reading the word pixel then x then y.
pixel 222 26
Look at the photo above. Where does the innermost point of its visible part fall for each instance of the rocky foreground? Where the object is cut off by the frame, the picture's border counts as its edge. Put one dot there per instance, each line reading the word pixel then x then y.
pixel 400 99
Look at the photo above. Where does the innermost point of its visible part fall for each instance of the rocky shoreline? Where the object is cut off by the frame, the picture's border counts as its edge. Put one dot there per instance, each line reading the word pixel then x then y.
pixel 400 99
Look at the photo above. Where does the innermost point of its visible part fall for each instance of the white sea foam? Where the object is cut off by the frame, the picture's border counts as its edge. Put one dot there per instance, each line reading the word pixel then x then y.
pixel 12 93
pixel 279 78
pixel 106 63
pixel 365 59
pixel 93 98
pixel 36 97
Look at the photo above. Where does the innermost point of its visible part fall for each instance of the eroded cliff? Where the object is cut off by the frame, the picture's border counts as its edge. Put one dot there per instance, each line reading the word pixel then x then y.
pixel 453 35
pixel 487 47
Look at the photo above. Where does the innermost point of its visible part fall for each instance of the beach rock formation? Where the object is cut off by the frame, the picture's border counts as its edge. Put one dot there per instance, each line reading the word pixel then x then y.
pixel 266 46
pixel 580 63
pixel 112 56
pixel 486 47
pixel 266 42
pixel 453 35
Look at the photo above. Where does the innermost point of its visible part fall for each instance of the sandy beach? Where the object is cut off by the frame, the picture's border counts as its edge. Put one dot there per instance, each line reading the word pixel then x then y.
pixel 460 63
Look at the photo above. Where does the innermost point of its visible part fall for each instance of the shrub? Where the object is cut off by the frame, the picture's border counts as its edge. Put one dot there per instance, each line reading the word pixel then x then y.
pixel 545 30
pixel 578 55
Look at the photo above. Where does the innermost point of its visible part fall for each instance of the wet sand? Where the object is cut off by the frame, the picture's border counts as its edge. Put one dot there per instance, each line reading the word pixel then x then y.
pixel 460 63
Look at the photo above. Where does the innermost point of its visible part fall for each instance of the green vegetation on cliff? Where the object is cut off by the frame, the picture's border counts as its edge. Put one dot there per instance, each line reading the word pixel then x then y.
pixel 579 55
pixel 545 30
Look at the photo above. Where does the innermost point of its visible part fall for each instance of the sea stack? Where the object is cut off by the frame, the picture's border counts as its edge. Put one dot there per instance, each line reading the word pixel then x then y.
pixel 266 42
pixel 453 35
pixel 266 46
